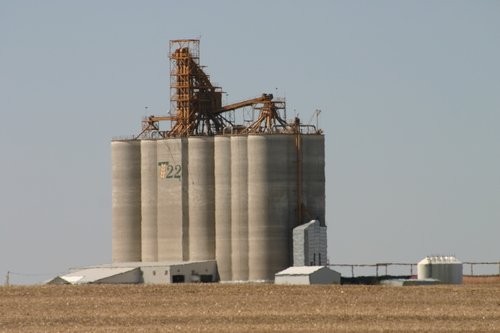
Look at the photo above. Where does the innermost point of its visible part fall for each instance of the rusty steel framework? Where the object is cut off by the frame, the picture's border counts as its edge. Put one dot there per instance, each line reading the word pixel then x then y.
pixel 197 103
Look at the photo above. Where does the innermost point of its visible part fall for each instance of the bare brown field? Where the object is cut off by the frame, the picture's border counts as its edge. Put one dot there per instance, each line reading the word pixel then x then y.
pixel 492 279
pixel 250 308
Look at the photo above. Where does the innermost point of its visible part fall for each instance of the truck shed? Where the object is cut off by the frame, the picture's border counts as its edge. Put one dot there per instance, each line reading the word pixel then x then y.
pixel 307 275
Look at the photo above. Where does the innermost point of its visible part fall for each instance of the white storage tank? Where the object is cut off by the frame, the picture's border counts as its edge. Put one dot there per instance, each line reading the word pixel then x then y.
pixel 271 182
pixel 222 175
pixel 239 208
pixel 447 269
pixel 126 200
pixel 149 200
pixel 201 195
pixel 172 198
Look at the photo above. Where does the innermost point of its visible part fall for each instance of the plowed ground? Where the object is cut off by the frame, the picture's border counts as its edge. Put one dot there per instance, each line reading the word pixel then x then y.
pixel 250 308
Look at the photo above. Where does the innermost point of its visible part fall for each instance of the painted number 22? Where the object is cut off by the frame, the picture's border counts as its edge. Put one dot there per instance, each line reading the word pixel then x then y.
pixel 168 171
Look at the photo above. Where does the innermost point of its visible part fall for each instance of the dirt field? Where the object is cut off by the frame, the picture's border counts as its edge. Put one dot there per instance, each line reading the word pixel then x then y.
pixel 250 308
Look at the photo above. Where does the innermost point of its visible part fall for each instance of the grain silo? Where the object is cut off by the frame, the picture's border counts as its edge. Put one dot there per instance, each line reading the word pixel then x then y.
pixel 209 188
pixel 201 193
pixel 172 217
pixel 126 200
pixel 149 201
pixel 239 207
pixel 271 203
pixel 223 229
pixel 446 269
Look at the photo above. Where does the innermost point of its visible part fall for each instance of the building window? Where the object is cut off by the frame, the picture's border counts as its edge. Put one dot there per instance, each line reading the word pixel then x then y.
pixel 178 279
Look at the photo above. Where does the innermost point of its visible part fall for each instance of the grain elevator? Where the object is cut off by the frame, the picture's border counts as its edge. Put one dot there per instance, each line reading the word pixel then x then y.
pixel 212 187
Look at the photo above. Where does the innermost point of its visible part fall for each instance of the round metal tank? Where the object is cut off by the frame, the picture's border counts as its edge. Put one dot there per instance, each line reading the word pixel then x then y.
pixel 239 208
pixel 149 181
pixel 172 185
pixel 201 192
pixel 446 269
pixel 126 200
pixel 270 183
pixel 222 173
pixel 313 177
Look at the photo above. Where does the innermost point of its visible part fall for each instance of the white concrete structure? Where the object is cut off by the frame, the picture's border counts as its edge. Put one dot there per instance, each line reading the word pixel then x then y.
pixel 149 201
pixel 446 269
pixel 230 198
pixel 126 200
pixel 307 275
pixel 309 244
pixel 141 272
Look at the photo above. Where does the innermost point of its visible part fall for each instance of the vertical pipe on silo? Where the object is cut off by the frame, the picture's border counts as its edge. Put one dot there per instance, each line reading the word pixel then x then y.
pixel 313 177
pixel 149 188
pixel 270 184
pixel 222 173
pixel 172 214
pixel 126 200
pixel 201 193
pixel 239 208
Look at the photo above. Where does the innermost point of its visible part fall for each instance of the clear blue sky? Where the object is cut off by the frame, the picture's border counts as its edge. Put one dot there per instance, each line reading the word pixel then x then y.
pixel 409 93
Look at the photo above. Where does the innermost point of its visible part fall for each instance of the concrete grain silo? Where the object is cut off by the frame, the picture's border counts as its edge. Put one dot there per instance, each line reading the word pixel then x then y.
pixel 126 200
pixel 239 207
pixel 271 189
pixel 172 216
pixel 313 173
pixel 223 230
pixel 210 189
pixel 149 200
pixel 201 193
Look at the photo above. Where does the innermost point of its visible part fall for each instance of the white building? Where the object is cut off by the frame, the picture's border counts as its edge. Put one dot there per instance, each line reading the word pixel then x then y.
pixel 142 272
pixel 309 244
pixel 307 275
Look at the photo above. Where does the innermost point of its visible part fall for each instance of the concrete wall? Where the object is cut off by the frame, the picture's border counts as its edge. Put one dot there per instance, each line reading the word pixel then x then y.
pixel 192 271
pixel 292 279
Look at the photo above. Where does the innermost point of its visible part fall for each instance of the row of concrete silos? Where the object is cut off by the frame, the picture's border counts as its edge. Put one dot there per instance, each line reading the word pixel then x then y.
pixel 230 198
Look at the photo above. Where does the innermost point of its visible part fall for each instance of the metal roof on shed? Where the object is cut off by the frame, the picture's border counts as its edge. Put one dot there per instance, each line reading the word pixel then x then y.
pixel 90 275
pixel 300 270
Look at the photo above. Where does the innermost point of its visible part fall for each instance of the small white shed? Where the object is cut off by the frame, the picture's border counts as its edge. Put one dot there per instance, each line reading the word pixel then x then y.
pixel 307 275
